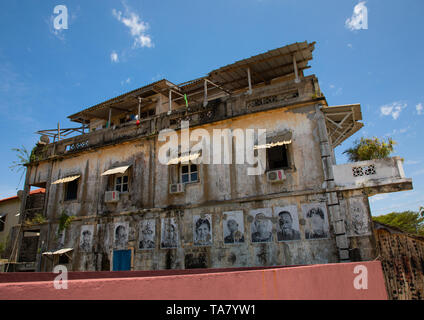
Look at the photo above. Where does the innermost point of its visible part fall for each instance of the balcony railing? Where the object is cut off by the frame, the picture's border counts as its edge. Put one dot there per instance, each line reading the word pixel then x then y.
pixel 372 173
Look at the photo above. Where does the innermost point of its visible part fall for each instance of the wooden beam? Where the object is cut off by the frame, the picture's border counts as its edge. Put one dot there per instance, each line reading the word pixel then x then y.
pixel 249 80
pixel 265 71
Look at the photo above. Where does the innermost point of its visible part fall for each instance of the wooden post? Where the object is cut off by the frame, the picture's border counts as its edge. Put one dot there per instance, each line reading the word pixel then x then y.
pixel 110 117
pixel 170 101
pixel 205 101
pixel 296 79
pixel 58 131
pixel 139 107
pixel 249 80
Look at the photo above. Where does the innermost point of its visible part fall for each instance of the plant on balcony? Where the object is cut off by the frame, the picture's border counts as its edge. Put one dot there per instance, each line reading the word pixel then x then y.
pixel 370 148
pixel 38 219
pixel 64 222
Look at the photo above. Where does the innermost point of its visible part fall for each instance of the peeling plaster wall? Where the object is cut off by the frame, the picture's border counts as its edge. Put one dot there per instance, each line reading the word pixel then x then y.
pixel 221 188
pixel 188 255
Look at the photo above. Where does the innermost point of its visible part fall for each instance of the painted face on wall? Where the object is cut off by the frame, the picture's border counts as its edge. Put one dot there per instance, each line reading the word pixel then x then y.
pixel 261 224
pixel 317 223
pixel 202 232
pixel 86 236
pixel 121 235
pixel 285 221
pixel 169 232
pixel 232 225
pixel 147 232
pixel 358 223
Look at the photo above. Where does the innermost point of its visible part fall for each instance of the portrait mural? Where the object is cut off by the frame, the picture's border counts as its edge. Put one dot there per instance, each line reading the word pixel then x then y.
pixel 147 234
pixel 86 238
pixel 359 224
pixel 316 220
pixel 169 233
pixel 233 227
pixel 261 226
pixel 121 235
pixel 202 230
pixel 287 223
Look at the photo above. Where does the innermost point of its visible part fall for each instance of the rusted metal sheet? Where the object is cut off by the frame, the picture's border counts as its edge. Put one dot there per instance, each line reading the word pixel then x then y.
pixel 402 258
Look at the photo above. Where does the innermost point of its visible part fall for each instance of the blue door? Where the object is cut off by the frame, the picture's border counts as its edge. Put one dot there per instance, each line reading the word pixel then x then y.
pixel 121 260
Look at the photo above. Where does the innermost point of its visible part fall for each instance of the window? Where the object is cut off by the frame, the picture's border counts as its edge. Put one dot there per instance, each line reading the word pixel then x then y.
pixel 63 259
pixel 121 182
pixel 189 173
pixel 2 221
pixel 277 157
pixel 71 190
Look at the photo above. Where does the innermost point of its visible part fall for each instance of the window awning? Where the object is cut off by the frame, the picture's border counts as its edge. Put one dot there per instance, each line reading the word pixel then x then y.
pixel 115 170
pixel 185 158
pixel 67 179
pixel 276 140
pixel 58 252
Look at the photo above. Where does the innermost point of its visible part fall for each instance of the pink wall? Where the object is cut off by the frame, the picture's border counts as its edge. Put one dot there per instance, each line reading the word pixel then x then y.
pixel 326 281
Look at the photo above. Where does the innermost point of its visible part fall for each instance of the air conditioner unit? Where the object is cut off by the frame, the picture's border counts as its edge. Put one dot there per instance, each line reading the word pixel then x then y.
pixel 176 188
pixel 275 176
pixel 111 196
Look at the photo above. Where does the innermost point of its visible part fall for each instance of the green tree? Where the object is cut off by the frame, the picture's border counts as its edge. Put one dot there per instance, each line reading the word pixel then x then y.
pixel 24 157
pixel 408 221
pixel 370 148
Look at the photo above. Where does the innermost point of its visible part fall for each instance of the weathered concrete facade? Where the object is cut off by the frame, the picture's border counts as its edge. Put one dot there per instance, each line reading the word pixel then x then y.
pixel 283 102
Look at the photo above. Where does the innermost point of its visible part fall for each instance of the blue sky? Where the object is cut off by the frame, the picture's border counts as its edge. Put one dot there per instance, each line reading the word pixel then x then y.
pixel 111 47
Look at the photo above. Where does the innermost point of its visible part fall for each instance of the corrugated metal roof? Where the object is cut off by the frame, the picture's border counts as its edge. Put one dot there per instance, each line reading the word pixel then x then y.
pixel 115 170
pixel 153 88
pixel 67 179
pixel 269 65
pixel 264 67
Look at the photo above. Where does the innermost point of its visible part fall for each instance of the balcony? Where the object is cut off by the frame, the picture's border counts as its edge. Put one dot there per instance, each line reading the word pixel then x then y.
pixel 380 176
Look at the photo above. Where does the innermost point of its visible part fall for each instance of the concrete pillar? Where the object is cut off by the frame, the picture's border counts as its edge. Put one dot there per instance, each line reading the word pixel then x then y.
pixel 336 216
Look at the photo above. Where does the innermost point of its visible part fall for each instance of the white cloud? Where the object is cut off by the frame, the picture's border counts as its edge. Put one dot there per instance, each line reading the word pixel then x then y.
pixel 138 28
pixel 127 81
pixel 412 162
pixel 350 45
pixel 114 57
pixel 359 19
pixel 378 197
pixel 397 131
pixel 419 108
pixel 394 109
pixel 417 173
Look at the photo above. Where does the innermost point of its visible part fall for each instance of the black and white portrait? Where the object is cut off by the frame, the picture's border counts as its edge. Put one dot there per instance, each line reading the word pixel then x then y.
pixel 359 220
pixel 287 223
pixel 86 237
pixel 169 233
pixel 147 234
pixel 202 230
pixel 233 227
pixel 121 234
pixel 261 226
pixel 316 221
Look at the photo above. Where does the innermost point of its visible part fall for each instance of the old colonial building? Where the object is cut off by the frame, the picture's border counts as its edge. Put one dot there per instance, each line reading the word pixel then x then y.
pixel 131 210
